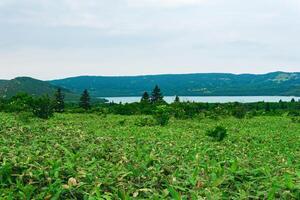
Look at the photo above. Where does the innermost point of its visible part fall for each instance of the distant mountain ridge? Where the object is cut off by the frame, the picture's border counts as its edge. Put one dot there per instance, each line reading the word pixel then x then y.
pixel 202 84
pixel 206 84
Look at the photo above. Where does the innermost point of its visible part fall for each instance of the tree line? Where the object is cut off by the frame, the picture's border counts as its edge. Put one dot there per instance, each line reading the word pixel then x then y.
pixel 150 104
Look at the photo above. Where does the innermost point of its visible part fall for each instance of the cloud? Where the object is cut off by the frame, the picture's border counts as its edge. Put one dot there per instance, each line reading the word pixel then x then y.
pixel 164 3
pixel 155 33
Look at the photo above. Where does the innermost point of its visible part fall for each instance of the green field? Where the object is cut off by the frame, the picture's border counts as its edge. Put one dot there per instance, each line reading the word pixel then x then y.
pixel 87 156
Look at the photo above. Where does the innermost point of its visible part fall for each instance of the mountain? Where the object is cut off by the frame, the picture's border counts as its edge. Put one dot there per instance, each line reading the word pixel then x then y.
pixel 9 88
pixel 205 84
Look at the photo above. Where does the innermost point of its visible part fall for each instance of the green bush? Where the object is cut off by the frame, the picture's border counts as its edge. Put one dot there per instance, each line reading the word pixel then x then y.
pixel 162 115
pixel 179 113
pixel 42 107
pixel 122 122
pixel 212 115
pixel 145 121
pixel 295 119
pixel 294 113
pixel 218 133
pixel 19 103
pixel 25 117
pixel 239 112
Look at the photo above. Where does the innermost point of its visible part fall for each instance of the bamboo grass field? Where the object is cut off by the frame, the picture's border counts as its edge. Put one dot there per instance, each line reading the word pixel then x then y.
pixel 93 156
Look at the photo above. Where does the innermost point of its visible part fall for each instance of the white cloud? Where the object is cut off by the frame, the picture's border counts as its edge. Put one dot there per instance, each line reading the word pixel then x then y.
pixel 155 33
pixel 164 3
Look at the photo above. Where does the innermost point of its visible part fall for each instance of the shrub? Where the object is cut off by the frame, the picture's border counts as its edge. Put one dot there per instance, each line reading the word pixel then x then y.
pixel 42 107
pixel 179 113
pixel 25 117
pixel 239 112
pixel 19 103
pixel 122 122
pixel 294 113
pixel 295 119
pixel 145 121
pixel 162 115
pixel 218 133
pixel 212 115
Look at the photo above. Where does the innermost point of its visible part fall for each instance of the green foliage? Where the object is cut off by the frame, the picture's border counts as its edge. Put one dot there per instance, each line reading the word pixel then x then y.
pixel 22 102
pixel 295 119
pixel 59 103
pixel 162 115
pixel 218 133
pixel 239 112
pixel 267 107
pixel 157 96
pixel 185 110
pixel 145 98
pixel 145 121
pixel 177 99
pixel 25 117
pixel 42 107
pixel 85 100
pixel 86 156
pixel 294 113
pixel 179 113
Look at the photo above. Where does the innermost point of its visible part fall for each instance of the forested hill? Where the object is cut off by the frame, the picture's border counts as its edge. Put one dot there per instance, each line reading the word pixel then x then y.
pixel 34 87
pixel 206 84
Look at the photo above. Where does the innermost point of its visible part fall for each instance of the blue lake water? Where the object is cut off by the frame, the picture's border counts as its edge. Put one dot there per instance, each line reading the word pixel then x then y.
pixel 210 99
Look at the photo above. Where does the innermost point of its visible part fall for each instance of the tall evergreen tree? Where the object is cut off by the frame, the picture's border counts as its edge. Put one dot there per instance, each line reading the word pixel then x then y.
pixel 59 104
pixel 267 107
pixel 177 99
pixel 145 98
pixel 85 100
pixel 156 96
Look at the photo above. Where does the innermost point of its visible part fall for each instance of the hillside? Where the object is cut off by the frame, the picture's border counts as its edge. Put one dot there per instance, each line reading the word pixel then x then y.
pixel 9 88
pixel 209 84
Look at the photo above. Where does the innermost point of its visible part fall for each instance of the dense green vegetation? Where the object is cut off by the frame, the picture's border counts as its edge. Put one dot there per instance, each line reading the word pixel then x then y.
pixel 92 156
pixel 211 84
pixel 52 149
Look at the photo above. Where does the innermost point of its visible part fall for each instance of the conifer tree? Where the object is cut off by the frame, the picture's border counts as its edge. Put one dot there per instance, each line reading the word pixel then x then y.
pixel 145 98
pixel 85 100
pixel 267 107
pixel 156 96
pixel 59 104
pixel 177 99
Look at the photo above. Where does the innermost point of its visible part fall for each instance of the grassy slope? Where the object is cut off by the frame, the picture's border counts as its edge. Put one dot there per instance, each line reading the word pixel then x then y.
pixel 259 158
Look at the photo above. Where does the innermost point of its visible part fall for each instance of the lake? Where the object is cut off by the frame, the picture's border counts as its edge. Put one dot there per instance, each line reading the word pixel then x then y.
pixel 209 99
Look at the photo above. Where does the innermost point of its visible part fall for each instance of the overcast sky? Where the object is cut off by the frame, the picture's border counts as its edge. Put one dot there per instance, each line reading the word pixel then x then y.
pixel 50 39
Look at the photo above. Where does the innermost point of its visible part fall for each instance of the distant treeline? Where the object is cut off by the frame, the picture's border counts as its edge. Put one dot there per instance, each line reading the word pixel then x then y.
pixel 150 104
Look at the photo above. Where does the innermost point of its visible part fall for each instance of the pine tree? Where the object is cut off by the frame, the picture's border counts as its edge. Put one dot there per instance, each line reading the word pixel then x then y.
pixel 59 104
pixel 177 99
pixel 145 98
pixel 267 107
pixel 85 100
pixel 156 96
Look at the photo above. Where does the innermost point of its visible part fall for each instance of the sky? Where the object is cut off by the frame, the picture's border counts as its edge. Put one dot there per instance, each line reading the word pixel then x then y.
pixel 50 39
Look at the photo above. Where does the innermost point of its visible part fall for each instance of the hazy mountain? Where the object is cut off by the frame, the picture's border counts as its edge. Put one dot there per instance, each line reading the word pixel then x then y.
pixel 206 84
